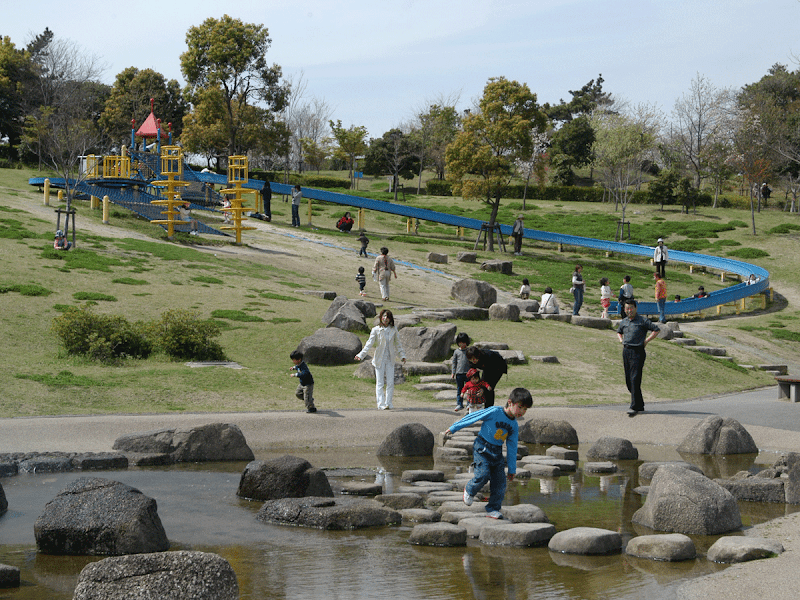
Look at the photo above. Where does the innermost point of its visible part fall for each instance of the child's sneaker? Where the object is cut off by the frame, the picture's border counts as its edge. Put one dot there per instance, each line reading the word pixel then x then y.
pixel 467 498
pixel 495 514
pixel 458 408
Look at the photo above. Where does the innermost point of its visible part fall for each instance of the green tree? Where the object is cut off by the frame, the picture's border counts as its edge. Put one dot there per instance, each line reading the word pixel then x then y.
pixel 17 74
pixel 393 153
pixel 230 55
pixel 571 148
pixel 130 99
pixel 480 160
pixel 350 143
pixel 432 131
pixel 204 130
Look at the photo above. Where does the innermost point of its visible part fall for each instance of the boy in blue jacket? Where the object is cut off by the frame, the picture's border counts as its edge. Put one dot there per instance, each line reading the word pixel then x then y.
pixel 499 425
pixel 305 389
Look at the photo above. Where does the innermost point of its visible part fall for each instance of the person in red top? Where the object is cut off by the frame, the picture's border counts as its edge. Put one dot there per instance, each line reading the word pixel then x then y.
pixel 473 389
pixel 661 296
pixel 345 224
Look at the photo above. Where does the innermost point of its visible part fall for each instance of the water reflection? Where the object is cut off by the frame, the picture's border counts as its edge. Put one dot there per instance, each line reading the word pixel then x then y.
pixel 200 511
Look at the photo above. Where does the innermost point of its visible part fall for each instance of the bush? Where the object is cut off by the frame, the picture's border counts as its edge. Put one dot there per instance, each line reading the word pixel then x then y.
pixel 182 335
pixel 438 187
pixel 100 337
pixel 323 181
pixel 748 253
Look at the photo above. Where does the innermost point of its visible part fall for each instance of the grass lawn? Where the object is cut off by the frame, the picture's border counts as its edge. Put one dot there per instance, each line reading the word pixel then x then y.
pixel 255 293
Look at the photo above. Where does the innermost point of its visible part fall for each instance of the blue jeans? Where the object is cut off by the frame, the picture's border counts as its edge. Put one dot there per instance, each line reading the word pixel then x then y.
pixel 489 466
pixel 578 293
pixel 662 302
pixel 295 215
pixel 461 379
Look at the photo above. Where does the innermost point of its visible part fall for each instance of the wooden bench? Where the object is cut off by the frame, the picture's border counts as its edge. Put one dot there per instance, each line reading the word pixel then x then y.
pixel 788 387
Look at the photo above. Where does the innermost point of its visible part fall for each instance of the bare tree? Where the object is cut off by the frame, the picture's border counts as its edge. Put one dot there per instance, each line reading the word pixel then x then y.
pixel 701 118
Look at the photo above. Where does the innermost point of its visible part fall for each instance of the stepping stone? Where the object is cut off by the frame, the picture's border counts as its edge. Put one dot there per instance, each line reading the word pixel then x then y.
pixel 586 540
pixel 566 466
pixel 422 475
pixel 544 359
pixel 517 534
pixel 435 379
pixel 669 547
pixel 455 516
pixel 361 488
pixel 401 500
pixel 542 470
pixel 434 387
pixel 710 351
pixel 599 467
pixel 685 341
pixel 740 549
pixel 524 513
pixel 438 534
pixel 474 524
pixel 446 395
pixel 562 453
pixel 424 488
pixel 9 576
pixel 420 515
pixel 463 445
pixel 423 368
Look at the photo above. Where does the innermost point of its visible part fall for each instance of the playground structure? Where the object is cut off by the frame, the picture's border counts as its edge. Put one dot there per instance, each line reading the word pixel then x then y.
pixel 237 177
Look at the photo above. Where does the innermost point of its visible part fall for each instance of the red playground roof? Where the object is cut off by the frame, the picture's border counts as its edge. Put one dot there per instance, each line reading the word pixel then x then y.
pixel 149 128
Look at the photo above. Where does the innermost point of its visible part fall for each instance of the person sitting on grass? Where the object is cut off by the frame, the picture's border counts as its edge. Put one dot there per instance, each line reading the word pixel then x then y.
pixel 345 224
pixel 61 243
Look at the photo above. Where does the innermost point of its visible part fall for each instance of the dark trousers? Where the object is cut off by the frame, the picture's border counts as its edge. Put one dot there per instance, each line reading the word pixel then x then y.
pixel 633 360
pixel 517 243
pixel 660 268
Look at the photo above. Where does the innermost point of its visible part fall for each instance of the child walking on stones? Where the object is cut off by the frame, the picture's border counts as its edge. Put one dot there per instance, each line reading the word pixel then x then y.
pixel 499 424
pixel 460 366
pixel 305 389
pixel 362 281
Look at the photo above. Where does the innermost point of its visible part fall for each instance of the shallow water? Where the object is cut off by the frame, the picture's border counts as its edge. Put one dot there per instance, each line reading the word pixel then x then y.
pixel 200 511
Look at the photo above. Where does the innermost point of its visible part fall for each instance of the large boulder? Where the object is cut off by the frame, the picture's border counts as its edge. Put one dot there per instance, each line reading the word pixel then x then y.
pixel 503 312
pixel 213 442
pixel 586 540
pixel 330 346
pixel 412 439
pixel 682 501
pixel 327 513
pixel 283 477
pixel 349 318
pixel 665 546
pixel 474 292
pixel 741 549
pixel 94 516
pixel 506 267
pixel 179 575
pixel 613 448
pixel 548 431
pixel 428 344
pixel 715 435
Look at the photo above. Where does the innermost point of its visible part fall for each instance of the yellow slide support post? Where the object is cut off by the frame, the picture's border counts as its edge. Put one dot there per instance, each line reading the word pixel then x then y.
pixel 172 167
pixel 237 177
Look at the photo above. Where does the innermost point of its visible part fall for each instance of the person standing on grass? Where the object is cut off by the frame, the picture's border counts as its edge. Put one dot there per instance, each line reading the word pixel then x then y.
pixel 384 268
pixel 660 256
pixel 517 233
pixel 578 287
pixel 499 425
pixel 266 196
pixel 305 389
pixel 605 297
pixel 633 334
pixel 625 294
pixel 297 197
pixel 386 340
pixel 364 243
pixel 661 296
pixel 492 365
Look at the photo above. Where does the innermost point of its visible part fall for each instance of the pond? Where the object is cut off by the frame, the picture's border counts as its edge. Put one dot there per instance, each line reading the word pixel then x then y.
pixel 199 509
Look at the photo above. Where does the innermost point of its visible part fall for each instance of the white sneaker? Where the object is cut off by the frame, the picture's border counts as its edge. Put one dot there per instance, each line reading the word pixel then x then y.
pixel 468 500
pixel 495 514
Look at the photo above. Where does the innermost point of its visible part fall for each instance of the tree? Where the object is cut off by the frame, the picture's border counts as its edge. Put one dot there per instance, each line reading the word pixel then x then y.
pixel 351 143
pixel 701 118
pixel 585 101
pixel 571 148
pixel 534 164
pixel 433 129
pixel 480 160
pixel 230 55
pixel 17 74
pixel 204 130
pixel 751 157
pixel 394 152
pixel 130 100
pixel 622 143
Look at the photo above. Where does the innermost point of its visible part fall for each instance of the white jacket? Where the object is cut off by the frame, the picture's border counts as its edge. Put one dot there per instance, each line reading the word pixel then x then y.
pixel 660 254
pixel 387 345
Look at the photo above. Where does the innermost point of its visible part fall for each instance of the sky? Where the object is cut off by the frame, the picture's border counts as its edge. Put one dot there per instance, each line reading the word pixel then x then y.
pixel 376 63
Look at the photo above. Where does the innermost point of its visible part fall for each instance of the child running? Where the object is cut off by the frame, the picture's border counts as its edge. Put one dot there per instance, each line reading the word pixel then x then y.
pixel 362 281
pixel 473 391
pixel 499 425
pixel 305 389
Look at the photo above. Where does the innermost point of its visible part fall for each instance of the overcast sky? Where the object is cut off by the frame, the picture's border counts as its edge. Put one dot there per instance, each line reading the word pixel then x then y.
pixel 375 62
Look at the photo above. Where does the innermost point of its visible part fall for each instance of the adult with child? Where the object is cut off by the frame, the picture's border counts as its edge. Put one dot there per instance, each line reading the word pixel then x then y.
pixel 492 365
pixel 578 288
pixel 660 256
pixel 498 425
pixel 633 334
pixel 383 270
pixel 460 365
pixel 386 340
pixel 345 224
pixel 305 389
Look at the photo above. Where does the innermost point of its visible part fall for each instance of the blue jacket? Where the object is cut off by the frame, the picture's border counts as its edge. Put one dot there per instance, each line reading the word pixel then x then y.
pixel 497 428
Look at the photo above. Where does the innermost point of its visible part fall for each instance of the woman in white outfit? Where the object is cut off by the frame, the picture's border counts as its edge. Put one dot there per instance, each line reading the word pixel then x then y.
pixel 383 268
pixel 386 340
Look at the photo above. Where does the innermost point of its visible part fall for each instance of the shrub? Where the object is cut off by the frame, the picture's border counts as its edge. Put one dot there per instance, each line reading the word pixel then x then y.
pixel 181 334
pixel 93 296
pixel 100 337
pixel 439 187
pixel 323 181
pixel 748 253
pixel 784 228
